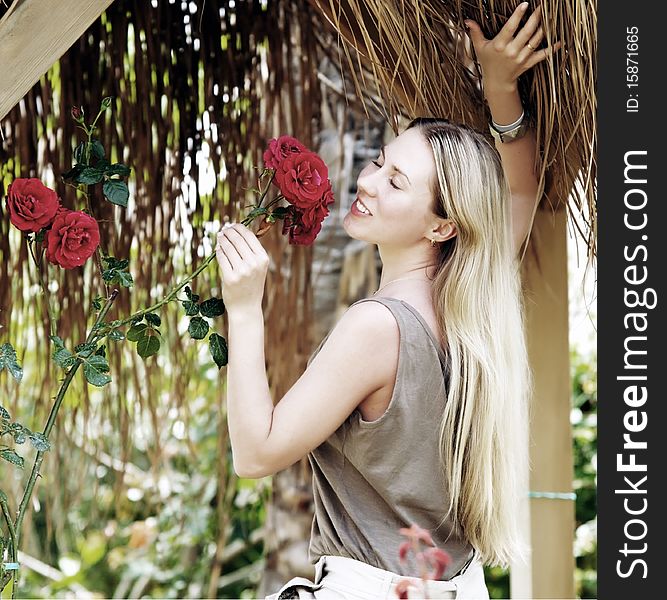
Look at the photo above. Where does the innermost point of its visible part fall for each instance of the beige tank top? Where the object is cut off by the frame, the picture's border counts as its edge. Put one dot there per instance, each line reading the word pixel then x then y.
pixel 371 478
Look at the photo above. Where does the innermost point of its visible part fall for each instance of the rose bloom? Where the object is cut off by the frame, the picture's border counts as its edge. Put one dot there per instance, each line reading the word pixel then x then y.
pixel 299 233
pixel 31 205
pixel 303 179
pixel 72 239
pixel 318 212
pixel 279 149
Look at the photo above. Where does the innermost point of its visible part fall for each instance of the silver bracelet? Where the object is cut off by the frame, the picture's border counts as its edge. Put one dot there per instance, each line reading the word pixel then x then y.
pixel 504 128
pixel 509 133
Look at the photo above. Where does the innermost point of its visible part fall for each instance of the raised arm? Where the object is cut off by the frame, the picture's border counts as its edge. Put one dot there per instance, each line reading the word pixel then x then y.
pixel 502 59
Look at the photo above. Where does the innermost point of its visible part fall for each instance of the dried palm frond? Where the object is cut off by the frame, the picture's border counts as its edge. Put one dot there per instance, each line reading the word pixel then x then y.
pixel 409 58
pixel 199 89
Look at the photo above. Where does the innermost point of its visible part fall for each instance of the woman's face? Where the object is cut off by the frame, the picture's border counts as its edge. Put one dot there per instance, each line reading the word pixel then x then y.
pixel 395 190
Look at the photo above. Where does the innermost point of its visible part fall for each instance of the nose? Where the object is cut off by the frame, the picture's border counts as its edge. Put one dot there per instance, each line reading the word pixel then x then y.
pixel 367 181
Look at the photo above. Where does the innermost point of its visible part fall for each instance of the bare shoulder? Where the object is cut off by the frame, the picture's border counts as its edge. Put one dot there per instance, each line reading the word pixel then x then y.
pixel 366 333
pixel 369 322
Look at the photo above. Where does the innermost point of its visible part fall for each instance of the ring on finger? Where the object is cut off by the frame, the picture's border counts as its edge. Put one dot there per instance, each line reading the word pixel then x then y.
pixel 528 44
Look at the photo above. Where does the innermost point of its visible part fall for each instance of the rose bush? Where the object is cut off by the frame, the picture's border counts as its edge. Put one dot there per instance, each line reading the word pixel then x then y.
pixel 31 205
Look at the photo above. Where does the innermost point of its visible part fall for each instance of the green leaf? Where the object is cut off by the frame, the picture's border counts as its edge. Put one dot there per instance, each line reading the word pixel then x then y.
pixel 191 308
pixel 97 303
pixel 116 335
pixel 61 355
pixel 84 350
pixel 217 345
pixel 116 192
pixel 101 351
pixel 281 212
pixel 73 173
pixel 214 307
pixel 198 328
pixel 111 262
pixel 117 169
pixel 80 152
pixel 95 369
pixel 153 319
pixel 136 332
pixel 125 279
pixel 39 442
pixel 149 344
pixel 190 295
pixel 138 319
pixel 4 414
pixel 90 176
pixel 19 432
pixel 9 361
pixel 10 456
pixel 40 235
pixel 96 150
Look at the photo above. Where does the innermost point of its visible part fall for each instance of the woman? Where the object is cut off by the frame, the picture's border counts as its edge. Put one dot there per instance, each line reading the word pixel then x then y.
pixel 436 357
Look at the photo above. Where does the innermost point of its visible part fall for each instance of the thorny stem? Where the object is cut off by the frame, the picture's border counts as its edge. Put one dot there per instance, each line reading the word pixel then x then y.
pixel 13 548
pixel 102 331
pixel 98 259
pixel 52 419
pixel 45 291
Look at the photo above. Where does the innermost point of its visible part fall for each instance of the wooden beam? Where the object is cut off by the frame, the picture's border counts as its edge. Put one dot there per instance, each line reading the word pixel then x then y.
pixel 33 36
pixel 551 572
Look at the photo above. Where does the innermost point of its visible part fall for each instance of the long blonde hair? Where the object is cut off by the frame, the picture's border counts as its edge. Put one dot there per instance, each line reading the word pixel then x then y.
pixel 477 298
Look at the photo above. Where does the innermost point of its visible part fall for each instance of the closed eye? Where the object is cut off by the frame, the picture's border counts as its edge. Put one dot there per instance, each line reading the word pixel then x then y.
pixel 391 179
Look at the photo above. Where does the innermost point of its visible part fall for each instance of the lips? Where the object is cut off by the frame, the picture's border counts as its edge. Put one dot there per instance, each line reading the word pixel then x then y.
pixel 360 204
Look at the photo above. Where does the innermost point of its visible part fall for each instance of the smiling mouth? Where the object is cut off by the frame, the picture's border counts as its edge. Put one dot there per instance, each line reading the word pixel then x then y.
pixel 362 207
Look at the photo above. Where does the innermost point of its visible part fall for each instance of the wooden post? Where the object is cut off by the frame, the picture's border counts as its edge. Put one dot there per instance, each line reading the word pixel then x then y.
pixel 34 34
pixel 551 570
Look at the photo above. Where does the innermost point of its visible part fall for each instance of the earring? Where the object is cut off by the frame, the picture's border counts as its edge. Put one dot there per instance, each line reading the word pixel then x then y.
pixel 432 243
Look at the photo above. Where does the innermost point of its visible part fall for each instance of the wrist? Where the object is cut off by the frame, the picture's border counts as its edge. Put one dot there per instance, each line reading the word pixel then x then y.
pixel 244 315
pixel 500 88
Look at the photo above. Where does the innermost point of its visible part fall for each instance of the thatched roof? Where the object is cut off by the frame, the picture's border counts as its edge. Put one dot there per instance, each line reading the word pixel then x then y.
pixel 221 81
pixel 414 58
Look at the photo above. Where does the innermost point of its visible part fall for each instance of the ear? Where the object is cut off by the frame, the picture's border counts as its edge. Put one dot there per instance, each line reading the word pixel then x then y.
pixel 442 230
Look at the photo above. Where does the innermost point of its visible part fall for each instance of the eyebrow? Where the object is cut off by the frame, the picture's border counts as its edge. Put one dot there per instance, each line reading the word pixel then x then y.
pixel 395 167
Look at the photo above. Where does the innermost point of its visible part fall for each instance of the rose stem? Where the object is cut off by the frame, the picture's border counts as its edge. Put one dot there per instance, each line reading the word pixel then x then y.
pixel 13 544
pixel 52 419
pixel 171 295
pixel 42 283
pixel 98 256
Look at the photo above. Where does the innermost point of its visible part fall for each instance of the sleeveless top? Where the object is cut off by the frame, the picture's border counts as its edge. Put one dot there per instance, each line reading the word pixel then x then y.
pixel 371 478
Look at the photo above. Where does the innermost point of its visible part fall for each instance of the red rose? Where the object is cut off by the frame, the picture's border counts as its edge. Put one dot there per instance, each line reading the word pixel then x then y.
pixel 300 233
pixel 318 212
pixel 31 204
pixel 279 149
pixel 303 179
pixel 72 239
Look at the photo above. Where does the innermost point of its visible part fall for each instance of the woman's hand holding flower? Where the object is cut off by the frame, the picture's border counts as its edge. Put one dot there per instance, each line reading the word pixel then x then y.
pixel 244 264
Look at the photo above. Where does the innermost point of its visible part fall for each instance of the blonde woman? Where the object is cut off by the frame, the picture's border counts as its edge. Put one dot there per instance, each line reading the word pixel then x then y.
pixel 412 409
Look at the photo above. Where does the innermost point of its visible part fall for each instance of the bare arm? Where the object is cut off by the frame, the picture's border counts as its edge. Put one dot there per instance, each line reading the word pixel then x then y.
pixel 359 357
pixel 503 59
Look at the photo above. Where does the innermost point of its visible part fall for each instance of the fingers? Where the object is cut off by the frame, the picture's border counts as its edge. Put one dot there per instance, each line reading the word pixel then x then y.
pixel 249 238
pixel 223 261
pixel 241 248
pixel 475 33
pixel 523 37
pixel 540 55
pixel 230 250
pixel 506 34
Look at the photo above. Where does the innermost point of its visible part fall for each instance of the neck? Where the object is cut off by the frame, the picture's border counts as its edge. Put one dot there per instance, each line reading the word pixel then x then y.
pixel 414 262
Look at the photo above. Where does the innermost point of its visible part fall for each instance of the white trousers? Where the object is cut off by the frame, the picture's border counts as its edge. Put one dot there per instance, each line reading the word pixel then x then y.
pixel 342 578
